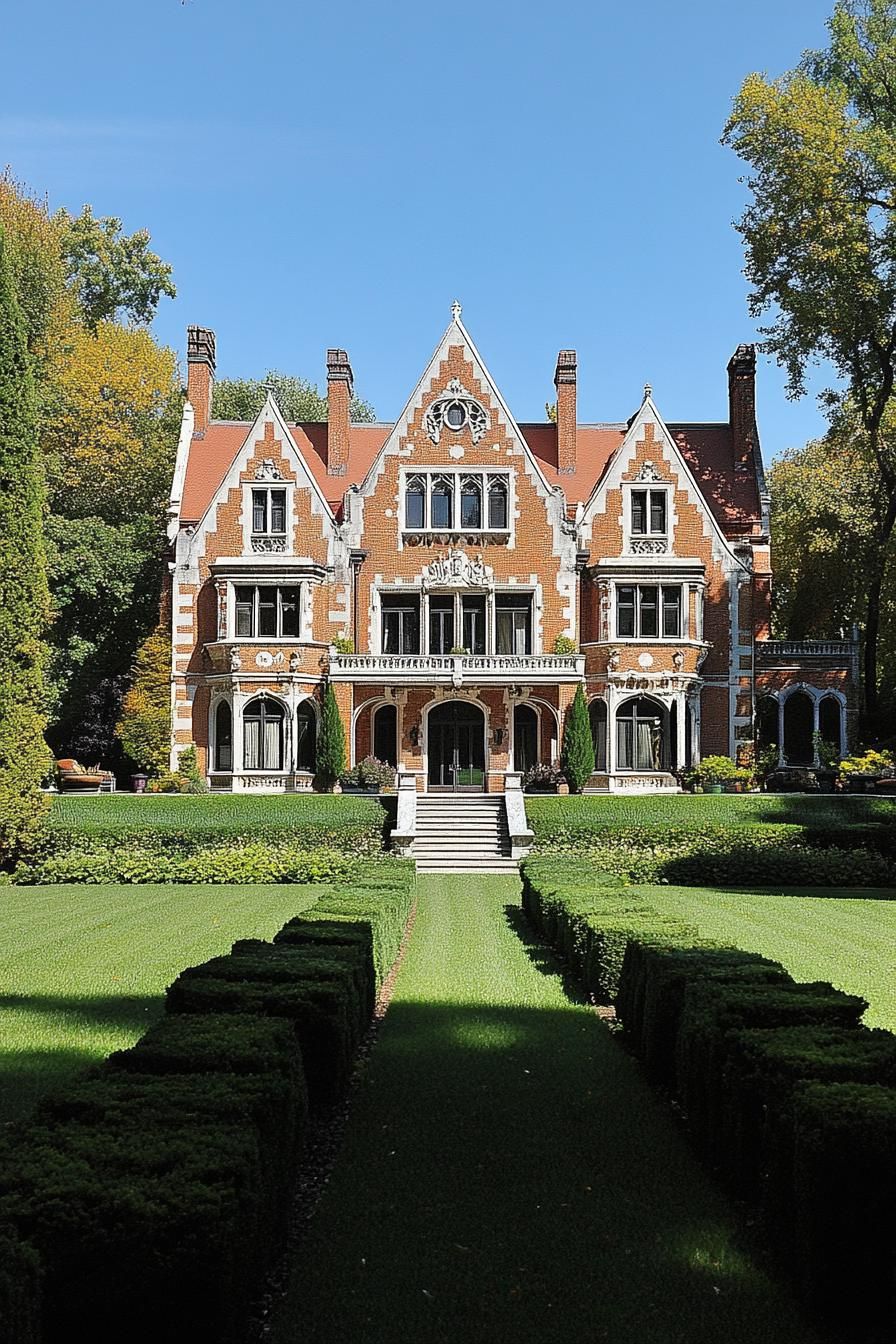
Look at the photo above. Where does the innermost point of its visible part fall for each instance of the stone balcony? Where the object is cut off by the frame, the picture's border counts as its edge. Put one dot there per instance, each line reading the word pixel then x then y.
pixel 807 653
pixel 458 669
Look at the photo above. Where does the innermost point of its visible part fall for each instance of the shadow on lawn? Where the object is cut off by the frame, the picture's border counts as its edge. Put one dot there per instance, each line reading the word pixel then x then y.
pixel 38 1067
pixel 541 956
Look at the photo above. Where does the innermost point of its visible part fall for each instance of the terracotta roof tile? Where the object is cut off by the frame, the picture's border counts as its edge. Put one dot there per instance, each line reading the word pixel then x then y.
pixel 707 448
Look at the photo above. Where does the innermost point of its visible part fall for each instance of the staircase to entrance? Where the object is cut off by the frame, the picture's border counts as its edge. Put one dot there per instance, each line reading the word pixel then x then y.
pixel 462 833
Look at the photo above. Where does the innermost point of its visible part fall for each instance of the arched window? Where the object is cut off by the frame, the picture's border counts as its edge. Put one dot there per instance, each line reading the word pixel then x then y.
pixel 441 503
pixel 471 502
pixel 497 503
pixel 263 723
pixel 798 719
pixel 597 714
pixel 415 502
pixel 641 735
pixel 385 733
pixel 306 737
pixel 767 721
pixel 830 719
pixel 223 736
pixel 525 738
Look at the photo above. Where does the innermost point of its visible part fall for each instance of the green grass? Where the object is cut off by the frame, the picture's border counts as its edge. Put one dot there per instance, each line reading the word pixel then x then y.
pixel 508 1175
pixel 233 812
pixel 847 941
pixel 548 814
pixel 83 969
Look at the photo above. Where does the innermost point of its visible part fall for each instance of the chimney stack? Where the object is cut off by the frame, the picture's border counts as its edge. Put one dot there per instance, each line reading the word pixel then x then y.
pixel 565 383
pixel 742 405
pixel 340 384
pixel 200 374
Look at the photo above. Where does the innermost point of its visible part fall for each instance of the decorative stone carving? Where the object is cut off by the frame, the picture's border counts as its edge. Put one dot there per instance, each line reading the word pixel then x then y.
pixel 269 545
pixel 645 660
pixel 264 659
pixel 649 545
pixel 648 472
pixel 456 570
pixel 678 660
pixel 294 662
pixel 457 409
pixel 613 661
pixel 236 661
pixel 267 470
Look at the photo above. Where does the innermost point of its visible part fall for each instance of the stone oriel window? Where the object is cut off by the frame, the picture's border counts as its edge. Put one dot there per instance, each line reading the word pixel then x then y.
pixel 648 611
pixel 266 611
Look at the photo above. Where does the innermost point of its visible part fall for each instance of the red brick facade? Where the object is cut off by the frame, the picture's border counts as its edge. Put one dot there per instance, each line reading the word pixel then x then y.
pixel 455 576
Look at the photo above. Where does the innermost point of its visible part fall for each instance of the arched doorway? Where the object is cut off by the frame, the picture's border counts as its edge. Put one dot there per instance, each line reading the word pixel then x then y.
pixel 525 738
pixel 263 724
pixel 830 721
pixel 306 737
pixel 385 732
pixel 642 735
pixel 455 744
pixel 798 721
pixel 767 722
pixel 223 737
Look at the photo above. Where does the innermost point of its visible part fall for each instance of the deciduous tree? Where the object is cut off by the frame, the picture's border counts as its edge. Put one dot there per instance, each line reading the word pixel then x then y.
pixel 298 399
pixel 820 236
pixel 145 725
pixel 114 275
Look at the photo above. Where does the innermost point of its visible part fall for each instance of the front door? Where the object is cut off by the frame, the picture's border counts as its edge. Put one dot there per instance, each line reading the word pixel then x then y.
pixel 456 747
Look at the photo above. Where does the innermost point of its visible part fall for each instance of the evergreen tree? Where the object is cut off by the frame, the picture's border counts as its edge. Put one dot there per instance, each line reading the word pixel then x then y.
pixel 144 729
pixel 577 757
pixel 24 600
pixel 330 742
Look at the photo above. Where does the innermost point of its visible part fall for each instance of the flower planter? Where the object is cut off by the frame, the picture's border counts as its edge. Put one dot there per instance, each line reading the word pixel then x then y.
pixel 138 783
pixel 712 788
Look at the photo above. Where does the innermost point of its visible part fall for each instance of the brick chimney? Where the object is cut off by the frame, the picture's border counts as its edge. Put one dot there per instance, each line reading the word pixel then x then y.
pixel 565 383
pixel 340 384
pixel 742 405
pixel 200 374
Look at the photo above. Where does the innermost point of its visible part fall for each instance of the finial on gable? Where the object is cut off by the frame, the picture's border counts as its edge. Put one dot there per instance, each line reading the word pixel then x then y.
pixel 648 392
pixel 456 310
pixel 269 387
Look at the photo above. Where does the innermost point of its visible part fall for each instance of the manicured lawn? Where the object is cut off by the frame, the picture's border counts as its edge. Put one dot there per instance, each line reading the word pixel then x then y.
pixel 83 969
pixel 848 941
pixel 508 1175
pixel 546 813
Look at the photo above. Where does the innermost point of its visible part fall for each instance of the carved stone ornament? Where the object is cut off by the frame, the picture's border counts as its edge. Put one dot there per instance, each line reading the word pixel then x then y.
pixel 269 545
pixel 456 570
pixel 263 659
pixel 456 409
pixel 236 661
pixel 267 470
pixel 293 662
pixel 648 472
pixel 678 660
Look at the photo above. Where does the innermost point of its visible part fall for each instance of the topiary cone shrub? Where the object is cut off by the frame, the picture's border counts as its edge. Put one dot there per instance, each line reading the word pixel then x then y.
pixel 330 742
pixel 577 758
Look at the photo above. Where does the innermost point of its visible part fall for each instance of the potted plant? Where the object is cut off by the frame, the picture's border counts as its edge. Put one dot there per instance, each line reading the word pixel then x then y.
pixel 861 773
pixel 766 763
pixel 563 644
pixel 368 776
pixel 689 778
pixel 828 767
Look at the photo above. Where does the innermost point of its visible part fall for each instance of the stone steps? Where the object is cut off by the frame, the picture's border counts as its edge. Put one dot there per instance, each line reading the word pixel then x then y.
pixel 462 833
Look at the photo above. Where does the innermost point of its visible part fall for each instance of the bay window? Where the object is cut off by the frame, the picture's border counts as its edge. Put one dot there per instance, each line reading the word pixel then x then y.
pixel 266 611
pixel 645 609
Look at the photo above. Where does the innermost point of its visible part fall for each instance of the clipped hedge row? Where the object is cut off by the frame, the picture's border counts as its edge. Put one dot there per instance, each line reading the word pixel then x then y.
pixel 109 862
pixel 787 1095
pixel 155 1189
pixel 852 855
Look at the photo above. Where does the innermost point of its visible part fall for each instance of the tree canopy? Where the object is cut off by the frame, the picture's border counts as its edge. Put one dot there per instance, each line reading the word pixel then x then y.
pixel 298 399
pixel 114 275
pixel 820 236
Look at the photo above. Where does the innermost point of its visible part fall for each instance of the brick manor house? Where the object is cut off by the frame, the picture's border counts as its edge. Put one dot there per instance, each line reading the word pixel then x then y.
pixel 479 570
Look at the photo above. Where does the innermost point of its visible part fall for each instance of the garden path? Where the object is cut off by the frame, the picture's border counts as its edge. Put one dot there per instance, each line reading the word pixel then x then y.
pixel 507 1174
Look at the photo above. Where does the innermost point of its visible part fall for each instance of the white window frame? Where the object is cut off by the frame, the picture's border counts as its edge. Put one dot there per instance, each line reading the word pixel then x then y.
pixel 659 583
pixel 484 475
pixel 647 543
pixel 249 533
pixel 256 583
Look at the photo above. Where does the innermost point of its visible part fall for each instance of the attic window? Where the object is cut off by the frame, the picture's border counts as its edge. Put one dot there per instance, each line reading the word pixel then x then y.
pixel 455 415
pixel 456 409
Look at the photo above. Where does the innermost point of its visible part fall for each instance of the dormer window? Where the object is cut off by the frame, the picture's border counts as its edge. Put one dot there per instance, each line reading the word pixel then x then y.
pixel 648 513
pixel 269 519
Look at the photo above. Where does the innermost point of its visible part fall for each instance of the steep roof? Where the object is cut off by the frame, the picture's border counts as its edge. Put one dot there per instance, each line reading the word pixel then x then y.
pixel 708 449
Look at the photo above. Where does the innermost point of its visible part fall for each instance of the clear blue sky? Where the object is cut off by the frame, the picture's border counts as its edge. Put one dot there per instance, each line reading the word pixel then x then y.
pixel 335 174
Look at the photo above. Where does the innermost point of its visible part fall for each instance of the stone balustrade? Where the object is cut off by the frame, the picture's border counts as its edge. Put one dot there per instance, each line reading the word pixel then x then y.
pixel 458 668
